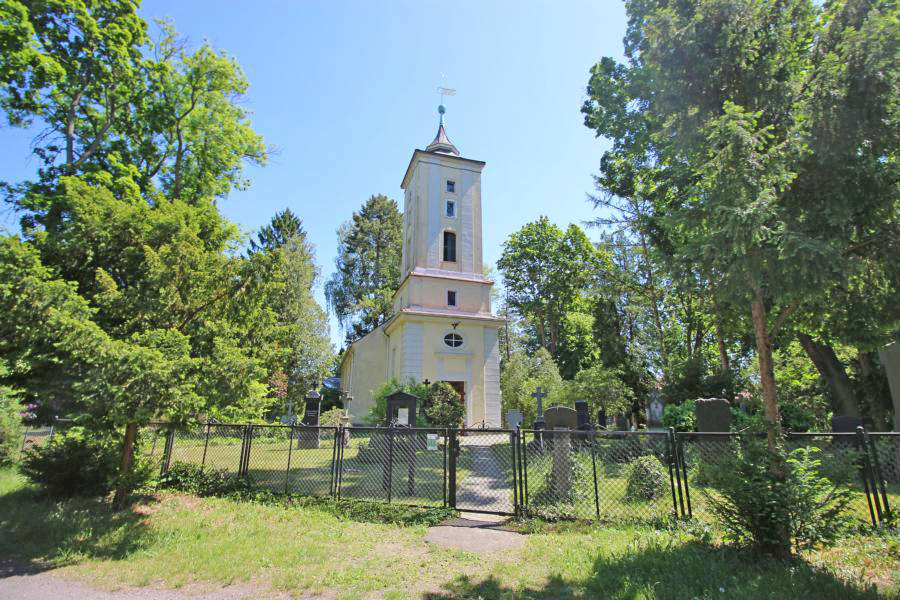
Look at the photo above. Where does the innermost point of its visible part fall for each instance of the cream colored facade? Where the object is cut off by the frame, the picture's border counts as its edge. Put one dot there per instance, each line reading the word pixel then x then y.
pixel 442 328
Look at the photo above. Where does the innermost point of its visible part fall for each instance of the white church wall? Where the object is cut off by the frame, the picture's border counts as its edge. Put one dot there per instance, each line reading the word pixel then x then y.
pixel 492 399
pixel 365 371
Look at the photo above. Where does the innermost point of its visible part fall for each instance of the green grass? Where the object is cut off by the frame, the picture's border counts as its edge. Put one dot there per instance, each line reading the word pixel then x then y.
pixel 315 547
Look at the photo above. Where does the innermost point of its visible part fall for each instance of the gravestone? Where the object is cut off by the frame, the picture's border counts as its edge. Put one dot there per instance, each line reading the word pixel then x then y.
pixel 513 419
pixel 563 474
pixel 844 424
pixel 561 417
pixel 583 415
pixel 622 423
pixel 890 358
pixel 713 415
pixel 309 438
pixel 601 418
pixel 655 413
pixel 401 410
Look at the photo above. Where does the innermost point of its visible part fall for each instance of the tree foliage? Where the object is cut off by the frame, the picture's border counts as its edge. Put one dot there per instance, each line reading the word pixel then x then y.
pixel 368 267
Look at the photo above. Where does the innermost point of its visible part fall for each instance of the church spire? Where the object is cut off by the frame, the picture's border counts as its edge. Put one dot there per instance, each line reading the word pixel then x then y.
pixel 442 143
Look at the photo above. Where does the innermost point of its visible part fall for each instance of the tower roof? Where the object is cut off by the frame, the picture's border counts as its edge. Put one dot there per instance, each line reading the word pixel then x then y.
pixel 441 142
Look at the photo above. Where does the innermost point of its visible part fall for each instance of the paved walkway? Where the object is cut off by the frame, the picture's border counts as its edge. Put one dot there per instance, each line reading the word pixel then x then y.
pixel 475 535
pixel 486 487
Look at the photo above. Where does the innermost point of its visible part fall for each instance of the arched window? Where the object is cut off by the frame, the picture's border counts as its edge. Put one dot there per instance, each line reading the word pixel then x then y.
pixel 454 340
pixel 449 246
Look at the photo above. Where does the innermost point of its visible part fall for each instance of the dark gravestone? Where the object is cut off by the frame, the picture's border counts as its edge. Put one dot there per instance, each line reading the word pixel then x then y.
pixel 401 410
pixel 601 417
pixel 582 415
pixel 622 423
pixel 561 417
pixel 309 438
pixel 842 424
pixel 713 415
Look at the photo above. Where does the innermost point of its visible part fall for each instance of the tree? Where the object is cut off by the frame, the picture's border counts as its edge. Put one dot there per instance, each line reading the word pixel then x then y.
pixel 545 271
pixel 522 375
pixel 368 267
pixel 713 120
pixel 601 387
pixel 445 407
pixel 299 325
pixel 113 104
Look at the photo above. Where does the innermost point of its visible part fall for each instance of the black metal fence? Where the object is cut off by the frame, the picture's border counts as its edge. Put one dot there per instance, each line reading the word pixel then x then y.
pixel 615 476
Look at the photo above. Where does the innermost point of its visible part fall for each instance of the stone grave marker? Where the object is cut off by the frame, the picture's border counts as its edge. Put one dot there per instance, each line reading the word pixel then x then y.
pixel 713 415
pixel 601 417
pixel 583 415
pixel 890 358
pixel 309 438
pixel 396 402
pixel 655 413
pixel 845 424
pixel 622 423
pixel 563 465
pixel 513 419
pixel 539 395
pixel 561 417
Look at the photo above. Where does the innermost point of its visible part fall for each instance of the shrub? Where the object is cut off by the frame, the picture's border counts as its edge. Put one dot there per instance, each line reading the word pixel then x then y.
pixel 647 479
pixel 331 417
pixel 775 510
pixel 81 463
pixel 445 408
pixel 681 416
pixel 11 427
pixel 196 480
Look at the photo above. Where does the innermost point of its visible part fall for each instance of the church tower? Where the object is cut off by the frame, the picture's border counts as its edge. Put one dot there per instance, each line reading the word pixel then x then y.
pixel 442 328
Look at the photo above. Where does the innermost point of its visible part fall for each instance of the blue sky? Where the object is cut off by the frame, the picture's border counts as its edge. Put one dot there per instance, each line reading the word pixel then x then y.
pixel 346 91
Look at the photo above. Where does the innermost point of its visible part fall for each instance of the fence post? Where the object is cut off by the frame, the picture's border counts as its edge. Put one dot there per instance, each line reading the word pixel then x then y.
pixel 673 466
pixel 515 481
pixel 338 434
pixel 446 442
pixel 679 457
pixel 205 447
pixel 287 471
pixel 167 452
pixel 521 465
pixel 879 481
pixel 594 467
pixel 451 467
pixel 390 465
pixel 864 472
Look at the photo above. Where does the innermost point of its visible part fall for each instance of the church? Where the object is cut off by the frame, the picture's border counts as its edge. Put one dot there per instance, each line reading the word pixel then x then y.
pixel 442 327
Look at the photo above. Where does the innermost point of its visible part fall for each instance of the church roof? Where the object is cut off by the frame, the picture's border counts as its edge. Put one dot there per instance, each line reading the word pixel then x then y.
pixel 442 143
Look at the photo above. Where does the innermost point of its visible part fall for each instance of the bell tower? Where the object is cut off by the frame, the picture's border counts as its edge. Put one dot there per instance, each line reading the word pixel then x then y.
pixel 442 210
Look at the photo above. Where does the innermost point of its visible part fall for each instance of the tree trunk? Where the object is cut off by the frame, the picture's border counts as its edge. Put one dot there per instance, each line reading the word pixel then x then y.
pixel 724 363
pixel 126 466
pixel 664 353
pixel 832 371
pixel 766 369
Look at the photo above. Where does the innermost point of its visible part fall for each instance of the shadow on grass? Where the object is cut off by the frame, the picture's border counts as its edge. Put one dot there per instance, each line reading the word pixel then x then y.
pixel 47 533
pixel 674 571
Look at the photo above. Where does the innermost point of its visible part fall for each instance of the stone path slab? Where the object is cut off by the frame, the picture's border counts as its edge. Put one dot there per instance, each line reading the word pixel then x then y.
pixel 475 535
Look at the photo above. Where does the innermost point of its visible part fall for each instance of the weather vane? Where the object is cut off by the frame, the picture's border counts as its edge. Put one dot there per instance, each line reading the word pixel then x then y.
pixel 444 92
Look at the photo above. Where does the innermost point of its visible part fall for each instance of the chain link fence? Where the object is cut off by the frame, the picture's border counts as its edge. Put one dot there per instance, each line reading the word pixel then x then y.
pixel 609 475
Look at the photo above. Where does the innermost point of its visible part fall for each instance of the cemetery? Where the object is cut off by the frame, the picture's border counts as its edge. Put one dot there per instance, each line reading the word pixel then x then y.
pixel 617 317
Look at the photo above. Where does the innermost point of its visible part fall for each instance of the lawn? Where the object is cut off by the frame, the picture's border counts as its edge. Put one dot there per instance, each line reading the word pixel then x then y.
pixel 172 540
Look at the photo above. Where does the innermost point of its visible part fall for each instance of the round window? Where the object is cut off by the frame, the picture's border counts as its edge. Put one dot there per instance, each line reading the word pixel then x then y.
pixel 454 340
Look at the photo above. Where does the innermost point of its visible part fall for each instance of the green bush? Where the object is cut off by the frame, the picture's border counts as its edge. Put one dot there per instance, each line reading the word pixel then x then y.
pixel 81 463
pixel 681 416
pixel 11 427
pixel 331 417
pixel 777 505
pixel 445 408
pixel 196 480
pixel 647 479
